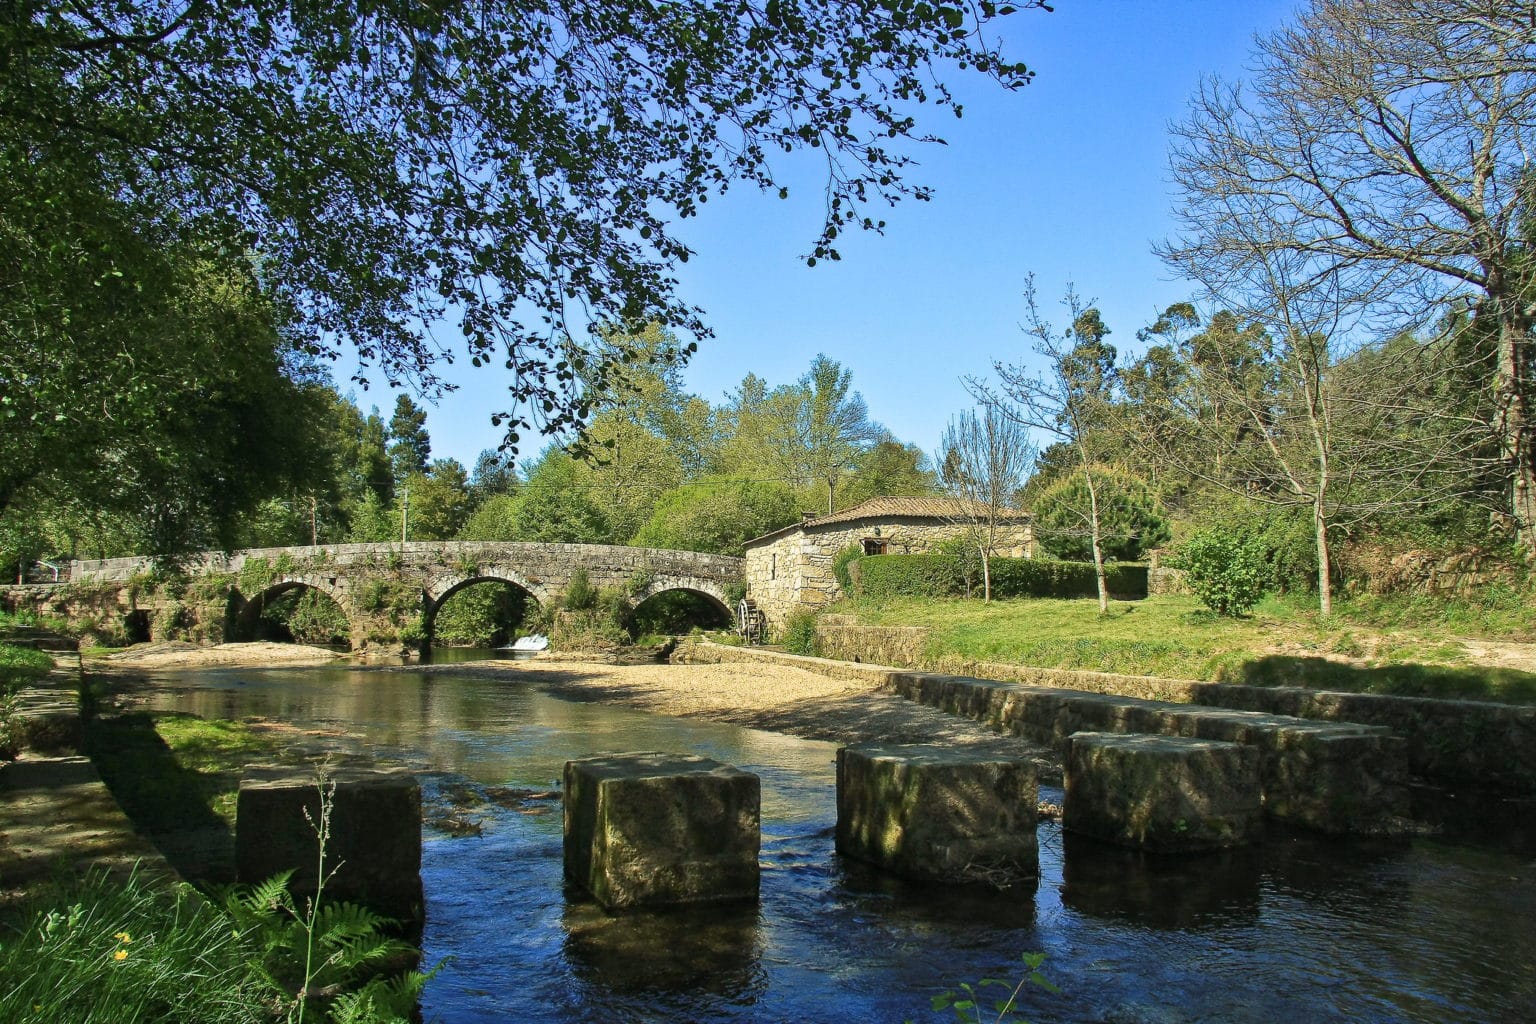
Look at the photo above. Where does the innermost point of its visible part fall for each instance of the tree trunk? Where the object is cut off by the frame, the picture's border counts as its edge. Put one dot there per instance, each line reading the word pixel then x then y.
pixel 1512 419
pixel 1324 576
pixel 1098 544
pixel 986 576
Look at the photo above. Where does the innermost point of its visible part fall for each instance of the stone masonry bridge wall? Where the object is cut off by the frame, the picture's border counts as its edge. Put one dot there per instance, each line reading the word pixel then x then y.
pixel 380 587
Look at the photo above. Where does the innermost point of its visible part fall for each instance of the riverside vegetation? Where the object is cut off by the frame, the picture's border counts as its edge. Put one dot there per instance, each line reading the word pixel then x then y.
pixel 98 948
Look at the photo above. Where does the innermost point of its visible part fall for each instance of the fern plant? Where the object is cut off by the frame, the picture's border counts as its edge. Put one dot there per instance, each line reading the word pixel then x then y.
pixel 316 953
pixel 330 955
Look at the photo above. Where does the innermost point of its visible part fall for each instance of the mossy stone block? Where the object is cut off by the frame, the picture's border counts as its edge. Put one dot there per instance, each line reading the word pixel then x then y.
pixel 938 814
pixel 374 846
pixel 1162 793
pixel 655 829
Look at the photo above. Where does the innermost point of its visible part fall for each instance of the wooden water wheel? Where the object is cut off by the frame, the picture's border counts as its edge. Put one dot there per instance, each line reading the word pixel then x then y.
pixel 751 623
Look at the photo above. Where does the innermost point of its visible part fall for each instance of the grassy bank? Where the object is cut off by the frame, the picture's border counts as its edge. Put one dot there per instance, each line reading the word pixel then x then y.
pixel 1411 647
pixel 177 777
pixel 100 948
pixel 22 665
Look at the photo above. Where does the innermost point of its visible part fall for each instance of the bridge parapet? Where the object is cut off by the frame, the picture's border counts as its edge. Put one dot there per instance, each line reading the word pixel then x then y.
pixel 606 564
pixel 403 583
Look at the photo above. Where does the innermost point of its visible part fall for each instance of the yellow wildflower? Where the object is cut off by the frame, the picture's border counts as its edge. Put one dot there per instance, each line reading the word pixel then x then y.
pixel 123 937
pixel 121 954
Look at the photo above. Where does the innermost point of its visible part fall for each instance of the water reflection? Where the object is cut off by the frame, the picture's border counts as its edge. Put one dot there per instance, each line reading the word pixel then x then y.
pixel 1167 893
pixel 704 949
pixel 1300 928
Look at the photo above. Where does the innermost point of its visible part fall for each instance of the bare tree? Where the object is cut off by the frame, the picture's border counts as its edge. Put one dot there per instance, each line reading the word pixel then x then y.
pixel 1068 401
pixel 1280 382
pixel 984 459
pixel 1386 145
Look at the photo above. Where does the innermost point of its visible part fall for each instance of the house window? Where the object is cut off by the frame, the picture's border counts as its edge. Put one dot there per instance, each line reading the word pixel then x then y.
pixel 875 545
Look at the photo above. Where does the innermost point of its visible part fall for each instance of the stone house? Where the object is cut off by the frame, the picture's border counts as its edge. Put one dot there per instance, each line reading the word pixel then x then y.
pixel 791 568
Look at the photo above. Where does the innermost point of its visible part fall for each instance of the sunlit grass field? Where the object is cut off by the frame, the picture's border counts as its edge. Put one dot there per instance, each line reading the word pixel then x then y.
pixel 1404 646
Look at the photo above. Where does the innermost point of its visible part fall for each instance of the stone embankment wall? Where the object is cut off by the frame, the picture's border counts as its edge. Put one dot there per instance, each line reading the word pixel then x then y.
pixel 1335 777
pixel 1479 743
pixel 1376 570
pixel 840 637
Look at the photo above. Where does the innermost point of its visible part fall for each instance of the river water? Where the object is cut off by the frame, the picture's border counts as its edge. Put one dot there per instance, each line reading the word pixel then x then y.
pixel 1299 928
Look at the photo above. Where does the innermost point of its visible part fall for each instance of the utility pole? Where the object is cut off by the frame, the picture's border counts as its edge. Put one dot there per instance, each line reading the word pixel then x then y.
pixel 405 510
pixel 314 526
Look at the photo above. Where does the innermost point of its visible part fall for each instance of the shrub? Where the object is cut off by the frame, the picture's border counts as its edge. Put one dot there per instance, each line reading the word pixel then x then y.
pixel 945 576
pixel 255 576
pixel 640 581
pixel 1226 568
pixel 580 595
pixel 799 636
pixel 21 665
pixel 910 576
pixel 307 616
pixel 841 566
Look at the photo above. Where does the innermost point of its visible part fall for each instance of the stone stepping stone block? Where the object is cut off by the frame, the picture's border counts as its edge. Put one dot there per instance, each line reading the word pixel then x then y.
pixel 1165 794
pixel 374 847
pixel 938 814
pixel 655 829
pixel 1334 777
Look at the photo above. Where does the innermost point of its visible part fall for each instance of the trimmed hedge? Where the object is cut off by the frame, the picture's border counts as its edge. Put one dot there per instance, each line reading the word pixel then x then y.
pixel 942 576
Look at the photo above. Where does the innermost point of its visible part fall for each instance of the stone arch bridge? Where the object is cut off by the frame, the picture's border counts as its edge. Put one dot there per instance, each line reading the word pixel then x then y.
pixel 371 582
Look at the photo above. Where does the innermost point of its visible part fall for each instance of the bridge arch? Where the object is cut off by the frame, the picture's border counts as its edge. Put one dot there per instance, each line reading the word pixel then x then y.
pixel 446 588
pixel 678 618
pixel 704 588
pixel 244 613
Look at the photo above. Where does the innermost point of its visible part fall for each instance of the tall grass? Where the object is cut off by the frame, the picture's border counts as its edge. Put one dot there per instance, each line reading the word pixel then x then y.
pixel 100 949
pixel 22 665
pixel 118 953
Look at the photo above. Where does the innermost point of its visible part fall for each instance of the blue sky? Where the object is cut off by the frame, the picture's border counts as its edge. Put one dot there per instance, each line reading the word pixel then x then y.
pixel 1066 179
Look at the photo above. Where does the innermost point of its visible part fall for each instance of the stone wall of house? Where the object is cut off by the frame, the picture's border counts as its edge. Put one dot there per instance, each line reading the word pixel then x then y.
pixel 794 570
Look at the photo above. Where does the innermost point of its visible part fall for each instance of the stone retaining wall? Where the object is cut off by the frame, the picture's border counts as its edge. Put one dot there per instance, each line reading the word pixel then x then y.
pixel 1335 777
pixel 47 717
pixel 839 637
pixel 1477 743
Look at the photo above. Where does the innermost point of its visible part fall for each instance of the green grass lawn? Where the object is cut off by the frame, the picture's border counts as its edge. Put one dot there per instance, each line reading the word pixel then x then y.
pixel 22 665
pixel 172 770
pixel 1404 647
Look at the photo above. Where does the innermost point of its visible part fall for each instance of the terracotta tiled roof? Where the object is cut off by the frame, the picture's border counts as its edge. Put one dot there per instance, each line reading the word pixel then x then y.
pixel 893 507
pixel 920 508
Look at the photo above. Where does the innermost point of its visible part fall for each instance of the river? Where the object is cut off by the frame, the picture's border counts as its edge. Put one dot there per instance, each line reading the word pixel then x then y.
pixel 1299 928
